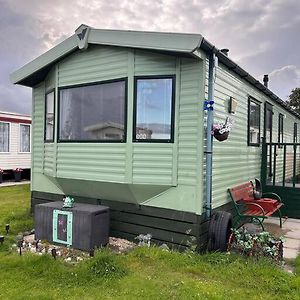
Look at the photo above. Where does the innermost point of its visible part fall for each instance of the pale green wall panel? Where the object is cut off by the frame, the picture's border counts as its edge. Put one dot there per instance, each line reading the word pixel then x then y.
pixel 38 128
pixel 183 197
pixel 94 161
pixel 46 184
pixel 152 163
pixel 235 162
pixel 97 63
pixel 147 63
pixel 190 127
pixel 48 158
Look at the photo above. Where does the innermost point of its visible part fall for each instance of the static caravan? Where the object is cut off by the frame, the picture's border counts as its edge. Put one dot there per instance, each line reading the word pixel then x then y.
pixel 120 118
pixel 15 147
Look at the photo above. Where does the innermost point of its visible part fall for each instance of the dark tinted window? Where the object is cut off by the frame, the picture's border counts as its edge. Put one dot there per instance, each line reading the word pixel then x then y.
pixel 280 128
pixel 4 136
pixel 154 111
pixel 24 138
pixel 94 112
pixel 49 117
pixel 253 122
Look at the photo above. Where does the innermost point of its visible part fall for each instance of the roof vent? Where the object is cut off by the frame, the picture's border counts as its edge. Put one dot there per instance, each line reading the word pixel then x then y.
pixel 225 51
pixel 266 80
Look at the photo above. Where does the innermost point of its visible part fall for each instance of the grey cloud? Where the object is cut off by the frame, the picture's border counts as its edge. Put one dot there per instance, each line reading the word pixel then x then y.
pixel 283 80
pixel 262 35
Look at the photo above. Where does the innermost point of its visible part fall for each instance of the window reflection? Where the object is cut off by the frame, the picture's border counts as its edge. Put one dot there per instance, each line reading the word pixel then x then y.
pixel 95 112
pixel 254 122
pixel 153 109
pixel 24 138
pixel 49 120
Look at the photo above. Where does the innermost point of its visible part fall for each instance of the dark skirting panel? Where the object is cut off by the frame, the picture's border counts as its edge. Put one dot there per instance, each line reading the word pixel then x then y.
pixel 179 230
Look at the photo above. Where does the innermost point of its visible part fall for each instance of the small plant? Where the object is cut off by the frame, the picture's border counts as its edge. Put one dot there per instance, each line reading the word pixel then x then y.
pixel 144 239
pixel 107 265
pixel 256 245
pixel 222 128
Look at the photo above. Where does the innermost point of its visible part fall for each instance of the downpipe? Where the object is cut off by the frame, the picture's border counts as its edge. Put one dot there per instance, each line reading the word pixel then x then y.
pixel 209 137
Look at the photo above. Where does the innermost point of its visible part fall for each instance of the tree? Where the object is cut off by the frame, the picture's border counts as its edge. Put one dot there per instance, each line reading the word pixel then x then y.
pixel 294 100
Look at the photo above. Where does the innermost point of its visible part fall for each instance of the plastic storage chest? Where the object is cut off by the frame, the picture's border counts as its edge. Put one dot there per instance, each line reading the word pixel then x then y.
pixel 82 227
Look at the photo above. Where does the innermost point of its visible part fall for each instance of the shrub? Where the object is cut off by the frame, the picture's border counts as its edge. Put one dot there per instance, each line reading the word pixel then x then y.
pixel 262 244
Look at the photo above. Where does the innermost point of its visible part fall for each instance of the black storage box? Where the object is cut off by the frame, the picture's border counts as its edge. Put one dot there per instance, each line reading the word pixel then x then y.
pixel 82 227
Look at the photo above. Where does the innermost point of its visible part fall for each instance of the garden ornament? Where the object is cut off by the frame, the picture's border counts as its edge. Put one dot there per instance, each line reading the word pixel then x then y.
pixel 68 202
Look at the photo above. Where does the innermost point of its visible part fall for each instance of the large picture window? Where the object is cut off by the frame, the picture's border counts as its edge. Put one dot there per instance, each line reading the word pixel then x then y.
pixel 4 136
pixel 154 101
pixel 49 117
pixel 93 112
pixel 24 138
pixel 253 122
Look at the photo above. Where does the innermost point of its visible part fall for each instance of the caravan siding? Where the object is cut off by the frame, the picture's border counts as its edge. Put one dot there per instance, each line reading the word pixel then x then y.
pixel 174 166
pixel 235 162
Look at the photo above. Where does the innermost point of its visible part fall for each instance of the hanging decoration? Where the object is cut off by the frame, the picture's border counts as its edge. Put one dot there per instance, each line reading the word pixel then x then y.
pixel 221 130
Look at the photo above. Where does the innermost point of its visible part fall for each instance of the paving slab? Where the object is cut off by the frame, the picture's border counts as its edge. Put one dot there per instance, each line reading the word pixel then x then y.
pixel 290 253
pixel 13 183
pixel 292 243
pixel 291 233
pixel 291 225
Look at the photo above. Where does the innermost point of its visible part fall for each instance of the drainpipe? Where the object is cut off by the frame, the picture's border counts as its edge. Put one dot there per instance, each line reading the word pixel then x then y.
pixel 209 137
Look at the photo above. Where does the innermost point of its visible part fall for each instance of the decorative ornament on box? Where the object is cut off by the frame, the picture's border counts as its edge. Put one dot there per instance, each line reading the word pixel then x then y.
pixel 68 202
pixel 221 130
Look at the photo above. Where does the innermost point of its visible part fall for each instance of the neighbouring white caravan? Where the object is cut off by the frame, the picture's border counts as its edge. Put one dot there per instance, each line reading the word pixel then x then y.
pixel 15 141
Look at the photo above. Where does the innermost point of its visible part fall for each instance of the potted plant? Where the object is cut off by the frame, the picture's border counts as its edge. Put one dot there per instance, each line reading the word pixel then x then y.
pixel 221 130
pixel 1 175
pixel 18 173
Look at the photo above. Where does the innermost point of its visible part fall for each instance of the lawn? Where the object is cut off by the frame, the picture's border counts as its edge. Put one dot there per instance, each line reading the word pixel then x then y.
pixel 148 273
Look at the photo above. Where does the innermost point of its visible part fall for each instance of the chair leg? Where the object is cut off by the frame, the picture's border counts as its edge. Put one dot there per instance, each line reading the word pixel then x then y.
pixel 280 218
pixel 260 223
pixel 236 222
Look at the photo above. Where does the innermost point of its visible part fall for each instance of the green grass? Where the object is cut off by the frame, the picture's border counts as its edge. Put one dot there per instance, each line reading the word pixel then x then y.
pixel 145 273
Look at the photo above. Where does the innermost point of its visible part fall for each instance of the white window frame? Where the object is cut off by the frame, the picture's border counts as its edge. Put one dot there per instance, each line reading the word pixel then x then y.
pixel 9 137
pixel 19 143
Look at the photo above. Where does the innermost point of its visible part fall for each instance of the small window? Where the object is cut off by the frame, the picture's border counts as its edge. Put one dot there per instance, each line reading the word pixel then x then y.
pixel 280 129
pixel 253 122
pixel 95 112
pixel 4 136
pixel 24 138
pixel 154 109
pixel 295 132
pixel 49 117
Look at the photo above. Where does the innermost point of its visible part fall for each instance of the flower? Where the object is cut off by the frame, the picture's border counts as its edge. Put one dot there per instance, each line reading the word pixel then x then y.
pixel 1 171
pixel 18 170
pixel 222 128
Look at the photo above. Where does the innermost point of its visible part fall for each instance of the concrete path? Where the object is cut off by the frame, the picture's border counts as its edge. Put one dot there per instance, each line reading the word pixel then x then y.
pixel 12 183
pixel 291 233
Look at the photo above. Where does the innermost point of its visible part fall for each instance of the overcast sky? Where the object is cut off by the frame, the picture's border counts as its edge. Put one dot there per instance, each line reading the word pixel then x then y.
pixel 263 35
